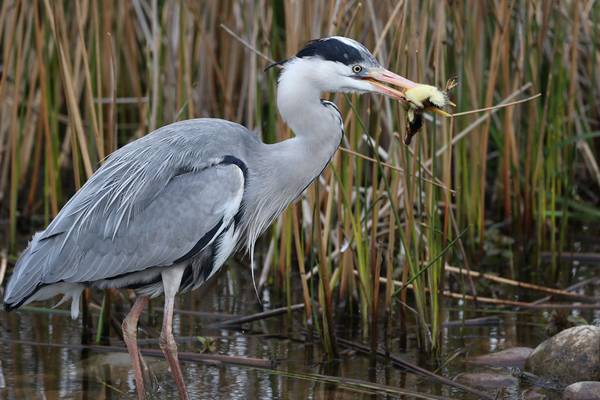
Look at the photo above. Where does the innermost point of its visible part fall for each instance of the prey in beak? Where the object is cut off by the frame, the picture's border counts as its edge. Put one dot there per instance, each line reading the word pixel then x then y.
pixel 380 77
pixel 417 97
pixel 425 98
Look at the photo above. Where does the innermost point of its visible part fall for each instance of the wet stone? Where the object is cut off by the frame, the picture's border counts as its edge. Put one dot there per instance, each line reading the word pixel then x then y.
pixel 582 391
pixel 568 357
pixel 486 380
pixel 513 357
pixel 533 394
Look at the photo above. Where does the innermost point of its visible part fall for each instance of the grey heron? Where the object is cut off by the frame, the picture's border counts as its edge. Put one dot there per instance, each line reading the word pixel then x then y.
pixel 164 212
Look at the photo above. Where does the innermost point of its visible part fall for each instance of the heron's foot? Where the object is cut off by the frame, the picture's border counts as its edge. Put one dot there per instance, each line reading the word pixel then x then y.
pixel 169 348
pixel 148 376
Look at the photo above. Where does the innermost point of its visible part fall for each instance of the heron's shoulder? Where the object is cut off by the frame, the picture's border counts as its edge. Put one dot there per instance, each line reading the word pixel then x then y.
pixel 196 138
pixel 205 128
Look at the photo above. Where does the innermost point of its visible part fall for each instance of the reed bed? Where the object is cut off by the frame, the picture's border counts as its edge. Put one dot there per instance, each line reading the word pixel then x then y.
pixel 80 78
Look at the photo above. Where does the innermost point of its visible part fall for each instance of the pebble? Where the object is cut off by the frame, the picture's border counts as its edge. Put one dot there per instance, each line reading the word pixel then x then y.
pixel 486 380
pixel 513 357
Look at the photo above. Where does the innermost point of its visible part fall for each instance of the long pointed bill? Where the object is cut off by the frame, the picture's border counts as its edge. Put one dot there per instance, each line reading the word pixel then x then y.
pixel 380 77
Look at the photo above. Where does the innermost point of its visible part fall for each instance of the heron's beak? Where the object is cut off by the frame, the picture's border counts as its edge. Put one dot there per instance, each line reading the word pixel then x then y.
pixel 380 76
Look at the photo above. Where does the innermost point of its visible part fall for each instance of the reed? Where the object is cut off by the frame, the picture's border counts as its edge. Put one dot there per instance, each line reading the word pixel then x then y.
pixel 80 79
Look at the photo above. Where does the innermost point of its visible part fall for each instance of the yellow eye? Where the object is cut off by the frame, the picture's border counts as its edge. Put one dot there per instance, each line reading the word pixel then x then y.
pixel 357 69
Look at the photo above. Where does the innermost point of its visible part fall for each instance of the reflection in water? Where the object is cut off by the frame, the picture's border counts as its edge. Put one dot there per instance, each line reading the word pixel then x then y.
pixel 42 372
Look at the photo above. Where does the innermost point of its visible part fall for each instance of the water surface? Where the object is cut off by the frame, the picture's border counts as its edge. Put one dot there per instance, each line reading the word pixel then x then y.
pixel 36 371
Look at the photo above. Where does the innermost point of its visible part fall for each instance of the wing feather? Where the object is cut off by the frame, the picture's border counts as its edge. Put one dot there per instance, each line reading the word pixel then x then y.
pixel 139 210
pixel 166 230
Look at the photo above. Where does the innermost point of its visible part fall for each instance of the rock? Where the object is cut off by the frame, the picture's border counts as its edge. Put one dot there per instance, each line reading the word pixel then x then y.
pixel 513 357
pixel 582 391
pixel 486 380
pixel 533 394
pixel 569 357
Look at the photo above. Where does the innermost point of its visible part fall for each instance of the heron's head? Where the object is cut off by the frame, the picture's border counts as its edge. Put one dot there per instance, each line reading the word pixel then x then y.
pixel 340 64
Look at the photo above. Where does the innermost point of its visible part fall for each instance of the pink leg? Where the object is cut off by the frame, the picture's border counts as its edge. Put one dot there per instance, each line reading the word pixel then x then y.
pixel 171 279
pixel 169 347
pixel 130 337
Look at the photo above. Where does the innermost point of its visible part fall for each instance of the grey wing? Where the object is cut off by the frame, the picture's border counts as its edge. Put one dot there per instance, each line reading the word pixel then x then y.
pixel 184 216
pixel 189 213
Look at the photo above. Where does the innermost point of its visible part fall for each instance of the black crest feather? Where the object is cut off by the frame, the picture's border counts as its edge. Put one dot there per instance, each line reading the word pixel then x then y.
pixel 332 49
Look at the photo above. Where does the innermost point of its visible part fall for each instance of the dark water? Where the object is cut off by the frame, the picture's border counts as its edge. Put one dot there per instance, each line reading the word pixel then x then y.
pixel 35 371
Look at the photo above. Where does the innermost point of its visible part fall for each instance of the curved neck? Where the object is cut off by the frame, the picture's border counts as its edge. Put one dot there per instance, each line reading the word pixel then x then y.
pixel 317 126
pixel 286 168
pixel 300 106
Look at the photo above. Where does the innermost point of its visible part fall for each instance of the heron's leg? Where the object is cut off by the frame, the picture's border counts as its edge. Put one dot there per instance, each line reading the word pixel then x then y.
pixel 129 326
pixel 171 281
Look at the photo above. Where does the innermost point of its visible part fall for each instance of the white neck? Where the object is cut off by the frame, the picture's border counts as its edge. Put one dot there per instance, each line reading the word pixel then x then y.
pixel 317 127
pixel 286 168
pixel 299 103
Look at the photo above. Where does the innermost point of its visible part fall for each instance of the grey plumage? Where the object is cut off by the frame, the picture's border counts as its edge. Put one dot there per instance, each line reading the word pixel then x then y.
pixel 147 206
pixel 164 212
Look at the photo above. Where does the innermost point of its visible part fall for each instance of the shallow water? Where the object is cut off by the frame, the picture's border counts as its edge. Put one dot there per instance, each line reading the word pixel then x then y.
pixel 36 371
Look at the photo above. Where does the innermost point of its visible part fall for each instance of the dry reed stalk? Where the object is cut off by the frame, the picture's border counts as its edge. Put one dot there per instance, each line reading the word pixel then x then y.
pixel 69 86
pixel 303 280
pixel 3 265
pixel 195 59
pixel 500 302
pixel 88 84
pixel 13 126
pixel 524 285
pixel 325 290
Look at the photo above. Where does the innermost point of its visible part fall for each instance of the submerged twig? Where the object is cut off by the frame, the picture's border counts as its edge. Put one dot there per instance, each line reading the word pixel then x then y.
pixel 479 321
pixel 258 316
pixel 588 258
pixel 575 286
pixel 353 383
pixel 183 355
pixel 520 304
